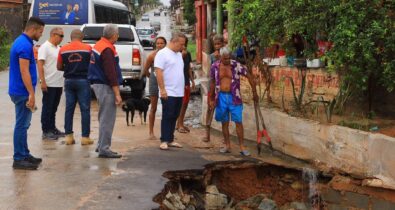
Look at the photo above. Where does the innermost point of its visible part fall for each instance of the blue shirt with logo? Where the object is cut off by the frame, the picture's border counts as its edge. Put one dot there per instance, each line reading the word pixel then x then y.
pixel 21 48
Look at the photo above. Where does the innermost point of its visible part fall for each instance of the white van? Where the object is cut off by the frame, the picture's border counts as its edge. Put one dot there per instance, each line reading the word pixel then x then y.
pixel 71 14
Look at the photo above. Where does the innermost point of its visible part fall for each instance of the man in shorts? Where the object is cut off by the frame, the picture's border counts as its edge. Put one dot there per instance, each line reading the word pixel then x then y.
pixel 226 98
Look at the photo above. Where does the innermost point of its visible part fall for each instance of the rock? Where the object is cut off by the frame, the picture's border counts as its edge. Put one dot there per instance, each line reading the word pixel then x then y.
pixel 299 206
pixel 186 199
pixel 297 185
pixel 168 195
pixel 267 204
pixel 168 205
pixel 288 178
pixel 212 189
pixel 215 199
pixel 294 206
pixel 190 207
pixel 251 203
pixel 173 202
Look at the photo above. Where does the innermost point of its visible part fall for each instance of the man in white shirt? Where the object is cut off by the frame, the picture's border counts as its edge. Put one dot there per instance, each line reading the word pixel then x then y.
pixel 51 83
pixel 169 68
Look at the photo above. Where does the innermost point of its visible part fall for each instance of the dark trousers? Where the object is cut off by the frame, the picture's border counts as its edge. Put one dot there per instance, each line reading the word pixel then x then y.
pixel 170 110
pixel 51 99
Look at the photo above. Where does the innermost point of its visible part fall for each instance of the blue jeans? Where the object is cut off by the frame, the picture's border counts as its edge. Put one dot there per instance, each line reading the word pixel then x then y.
pixel 170 110
pixel 23 117
pixel 51 99
pixel 77 90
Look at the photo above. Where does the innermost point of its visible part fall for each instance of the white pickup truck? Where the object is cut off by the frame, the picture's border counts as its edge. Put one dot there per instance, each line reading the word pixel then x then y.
pixel 129 49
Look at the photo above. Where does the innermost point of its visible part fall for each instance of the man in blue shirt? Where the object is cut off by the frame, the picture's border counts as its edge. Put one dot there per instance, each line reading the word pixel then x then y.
pixel 22 82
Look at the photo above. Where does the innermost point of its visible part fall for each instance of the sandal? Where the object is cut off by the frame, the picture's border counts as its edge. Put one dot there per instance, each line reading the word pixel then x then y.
pixel 224 150
pixel 186 128
pixel 182 130
pixel 163 146
pixel 174 144
pixel 245 153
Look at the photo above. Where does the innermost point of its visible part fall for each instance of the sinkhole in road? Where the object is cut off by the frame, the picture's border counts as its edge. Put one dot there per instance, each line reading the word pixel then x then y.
pixel 251 184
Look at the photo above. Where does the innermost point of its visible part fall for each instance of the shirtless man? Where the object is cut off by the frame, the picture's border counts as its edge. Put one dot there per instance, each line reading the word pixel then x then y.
pixel 225 96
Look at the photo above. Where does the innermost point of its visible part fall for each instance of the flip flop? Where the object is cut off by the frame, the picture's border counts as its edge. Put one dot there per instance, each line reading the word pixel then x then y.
pixel 164 146
pixel 186 128
pixel 182 130
pixel 245 153
pixel 224 150
pixel 174 144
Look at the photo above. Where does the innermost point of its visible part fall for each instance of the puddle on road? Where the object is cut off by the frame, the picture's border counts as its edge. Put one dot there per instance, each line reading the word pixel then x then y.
pixel 249 185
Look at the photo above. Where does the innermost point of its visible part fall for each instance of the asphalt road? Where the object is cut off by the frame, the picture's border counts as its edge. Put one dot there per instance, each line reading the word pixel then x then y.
pixel 73 177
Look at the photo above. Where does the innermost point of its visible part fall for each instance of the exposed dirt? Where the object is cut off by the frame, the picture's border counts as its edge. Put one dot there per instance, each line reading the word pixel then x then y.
pixel 240 180
pixel 241 184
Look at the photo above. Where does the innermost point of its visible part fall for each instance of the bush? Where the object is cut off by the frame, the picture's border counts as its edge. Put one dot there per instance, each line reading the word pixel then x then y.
pixel 361 33
pixel 189 13
pixel 5 45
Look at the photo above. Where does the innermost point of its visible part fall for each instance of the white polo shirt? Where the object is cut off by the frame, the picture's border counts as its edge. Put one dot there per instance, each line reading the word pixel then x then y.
pixel 49 53
pixel 172 65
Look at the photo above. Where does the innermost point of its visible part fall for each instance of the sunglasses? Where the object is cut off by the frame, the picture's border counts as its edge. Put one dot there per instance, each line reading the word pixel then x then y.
pixel 61 35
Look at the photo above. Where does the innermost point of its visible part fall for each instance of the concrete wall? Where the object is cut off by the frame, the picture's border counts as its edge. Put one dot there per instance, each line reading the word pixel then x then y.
pixel 360 153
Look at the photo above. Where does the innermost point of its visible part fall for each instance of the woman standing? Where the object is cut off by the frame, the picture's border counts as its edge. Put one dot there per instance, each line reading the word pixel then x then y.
pixel 153 90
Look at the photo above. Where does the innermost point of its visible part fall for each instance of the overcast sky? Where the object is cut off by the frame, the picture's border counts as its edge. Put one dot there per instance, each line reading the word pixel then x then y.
pixel 166 2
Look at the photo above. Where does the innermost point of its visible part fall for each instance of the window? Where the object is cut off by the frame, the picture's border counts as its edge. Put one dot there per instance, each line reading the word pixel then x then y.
pixel 111 15
pixel 145 31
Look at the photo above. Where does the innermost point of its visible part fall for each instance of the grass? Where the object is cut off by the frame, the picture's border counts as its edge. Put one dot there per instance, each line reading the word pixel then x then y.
pixel 192 49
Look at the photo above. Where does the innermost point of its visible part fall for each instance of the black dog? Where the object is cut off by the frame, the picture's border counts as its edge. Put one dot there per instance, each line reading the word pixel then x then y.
pixel 132 105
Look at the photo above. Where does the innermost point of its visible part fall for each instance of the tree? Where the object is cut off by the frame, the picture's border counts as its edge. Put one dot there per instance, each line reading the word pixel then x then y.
pixel 189 12
pixel 362 34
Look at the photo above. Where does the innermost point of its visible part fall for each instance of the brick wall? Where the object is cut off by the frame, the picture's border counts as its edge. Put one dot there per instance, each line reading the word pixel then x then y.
pixel 319 82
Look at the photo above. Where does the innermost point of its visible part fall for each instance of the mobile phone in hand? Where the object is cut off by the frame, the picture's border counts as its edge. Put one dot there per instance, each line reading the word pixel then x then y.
pixel 31 109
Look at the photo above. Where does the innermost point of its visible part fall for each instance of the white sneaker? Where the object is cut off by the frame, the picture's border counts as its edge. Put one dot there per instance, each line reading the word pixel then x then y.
pixel 175 144
pixel 163 146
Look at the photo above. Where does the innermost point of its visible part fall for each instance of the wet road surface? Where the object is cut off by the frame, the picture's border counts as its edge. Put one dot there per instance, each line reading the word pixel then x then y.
pixel 72 177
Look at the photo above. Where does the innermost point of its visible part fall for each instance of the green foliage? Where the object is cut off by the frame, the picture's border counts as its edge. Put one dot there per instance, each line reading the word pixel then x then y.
pixel 192 49
pixel 189 11
pixel 5 45
pixel 362 34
